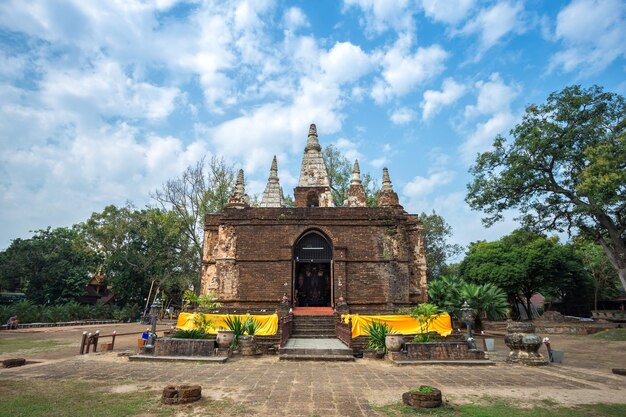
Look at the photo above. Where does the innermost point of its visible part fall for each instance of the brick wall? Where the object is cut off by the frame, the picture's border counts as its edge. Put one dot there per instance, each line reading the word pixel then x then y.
pixel 378 259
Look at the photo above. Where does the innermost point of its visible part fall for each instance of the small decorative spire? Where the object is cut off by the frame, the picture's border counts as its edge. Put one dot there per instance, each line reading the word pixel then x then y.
pixel 274 168
pixel 312 143
pixel 239 198
pixel 387 196
pixel 273 194
pixel 386 180
pixel 356 173
pixel 355 194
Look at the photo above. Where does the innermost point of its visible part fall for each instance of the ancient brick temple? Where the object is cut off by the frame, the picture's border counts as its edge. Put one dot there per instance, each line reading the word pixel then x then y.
pixel 315 254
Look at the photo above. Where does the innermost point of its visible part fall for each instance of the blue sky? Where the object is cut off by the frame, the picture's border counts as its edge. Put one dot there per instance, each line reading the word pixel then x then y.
pixel 103 101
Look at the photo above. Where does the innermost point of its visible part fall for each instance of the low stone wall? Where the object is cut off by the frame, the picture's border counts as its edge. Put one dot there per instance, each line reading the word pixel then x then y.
pixel 437 351
pixel 166 346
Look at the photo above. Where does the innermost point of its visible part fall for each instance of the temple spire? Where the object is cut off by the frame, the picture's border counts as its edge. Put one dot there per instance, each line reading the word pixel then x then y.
pixel 273 194
pixel 387 196
pixel 355 193
pixel 313 188
pixel 356 173
pixel 239 198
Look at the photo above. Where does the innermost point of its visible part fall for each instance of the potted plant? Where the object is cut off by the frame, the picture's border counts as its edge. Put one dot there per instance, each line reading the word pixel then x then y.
pixel 423 397
pixel 247 343
pixel 377 332
pixel 236 325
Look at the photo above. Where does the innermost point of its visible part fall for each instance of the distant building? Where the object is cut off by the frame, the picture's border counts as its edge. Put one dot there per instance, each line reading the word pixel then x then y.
pixel 318 255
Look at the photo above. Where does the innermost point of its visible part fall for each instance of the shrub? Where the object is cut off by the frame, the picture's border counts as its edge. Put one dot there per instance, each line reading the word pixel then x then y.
pixel 203 322
pixel 377 331
pixel 191 334
pixel 425 313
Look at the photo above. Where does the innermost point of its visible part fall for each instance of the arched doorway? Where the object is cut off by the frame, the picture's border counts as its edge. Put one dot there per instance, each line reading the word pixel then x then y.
pixel 313 257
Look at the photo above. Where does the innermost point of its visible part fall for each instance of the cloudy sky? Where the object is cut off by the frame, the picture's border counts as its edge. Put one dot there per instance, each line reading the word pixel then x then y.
pixel 102 101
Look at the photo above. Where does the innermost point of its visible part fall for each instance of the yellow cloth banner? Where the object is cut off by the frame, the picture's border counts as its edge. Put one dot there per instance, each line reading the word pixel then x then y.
pixel 399 324
pixel 269 323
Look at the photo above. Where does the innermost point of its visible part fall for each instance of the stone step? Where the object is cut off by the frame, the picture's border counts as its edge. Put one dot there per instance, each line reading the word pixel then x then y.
pixel 310 351
pixel 317 358
pixel 313 327
pixel 313 335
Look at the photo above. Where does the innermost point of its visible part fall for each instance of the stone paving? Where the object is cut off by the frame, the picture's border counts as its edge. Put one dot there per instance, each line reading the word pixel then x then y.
pixel 265 386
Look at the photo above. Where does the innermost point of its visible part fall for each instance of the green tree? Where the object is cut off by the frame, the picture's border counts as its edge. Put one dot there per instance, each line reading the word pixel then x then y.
pixel 51 267
pixel 604 277
pixel 202 189
pixel 139 246
pixel 437 248
pixel 564 170
pixel 522 264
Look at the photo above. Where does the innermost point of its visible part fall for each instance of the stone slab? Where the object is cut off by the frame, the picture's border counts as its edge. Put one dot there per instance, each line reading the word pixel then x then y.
pixel 151 358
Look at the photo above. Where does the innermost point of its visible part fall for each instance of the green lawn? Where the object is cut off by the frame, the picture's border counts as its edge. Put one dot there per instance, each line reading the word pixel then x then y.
pixel 611 335
pixel 14 344
pixel 501 409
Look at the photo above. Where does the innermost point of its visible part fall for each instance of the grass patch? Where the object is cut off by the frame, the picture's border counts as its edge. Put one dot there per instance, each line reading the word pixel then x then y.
pixel 611 335
pixel 39 398
pixel 502 409
pixel 8 345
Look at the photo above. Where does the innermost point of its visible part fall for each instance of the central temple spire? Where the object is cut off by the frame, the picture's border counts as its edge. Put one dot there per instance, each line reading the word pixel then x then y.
pixel 313 188
pixel 273 194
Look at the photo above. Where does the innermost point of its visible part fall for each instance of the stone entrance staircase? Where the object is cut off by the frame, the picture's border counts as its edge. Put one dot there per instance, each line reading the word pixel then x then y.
pixel 314 338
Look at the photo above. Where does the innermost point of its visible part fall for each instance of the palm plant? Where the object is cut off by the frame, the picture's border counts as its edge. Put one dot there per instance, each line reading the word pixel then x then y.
pixel 377 331
pixel 190 298
pixel 251 326
pixel 485 299
pixel 236 324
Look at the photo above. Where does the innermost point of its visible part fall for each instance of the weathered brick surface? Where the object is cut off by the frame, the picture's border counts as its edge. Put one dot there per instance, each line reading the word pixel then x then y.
pixel 378 255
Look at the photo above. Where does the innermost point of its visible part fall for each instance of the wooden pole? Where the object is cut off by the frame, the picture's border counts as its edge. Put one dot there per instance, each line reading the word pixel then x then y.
pixel 143 314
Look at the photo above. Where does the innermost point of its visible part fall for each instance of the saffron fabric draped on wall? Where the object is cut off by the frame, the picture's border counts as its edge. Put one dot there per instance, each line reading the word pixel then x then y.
pixel 269 323
pixel 399 324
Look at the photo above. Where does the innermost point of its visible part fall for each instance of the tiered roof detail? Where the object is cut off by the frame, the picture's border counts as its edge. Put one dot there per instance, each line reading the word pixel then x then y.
pixel 273 194
pixel 239 198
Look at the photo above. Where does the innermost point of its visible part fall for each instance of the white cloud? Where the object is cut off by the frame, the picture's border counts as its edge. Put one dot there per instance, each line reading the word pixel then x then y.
pixel 403 70
pixel 349 149
pixel 494 96
pixel 494 102
pixel 448 11
pixel 294 18
pixel 593 34
pixel 495 23
pixel 381 15
pixel 380 162
pixel 402 116
pixel 420 187
pixel 345 62
pixel 484 133
pixel 434 100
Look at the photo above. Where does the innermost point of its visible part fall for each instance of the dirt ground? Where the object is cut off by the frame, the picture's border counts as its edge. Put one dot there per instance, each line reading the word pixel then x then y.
pixel 584 377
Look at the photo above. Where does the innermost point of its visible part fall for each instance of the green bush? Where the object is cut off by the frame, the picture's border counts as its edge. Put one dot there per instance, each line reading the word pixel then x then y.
pixel 128 313
pixel 191 334
pixel 377 331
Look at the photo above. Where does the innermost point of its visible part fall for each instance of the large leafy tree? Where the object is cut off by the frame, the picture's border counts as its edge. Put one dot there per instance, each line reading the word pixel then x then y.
pixel 202 189
pixel 51 267
pixel 524 263
pixel 138 247
pixel 595 261
pixel 438 249
pixel 565 169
